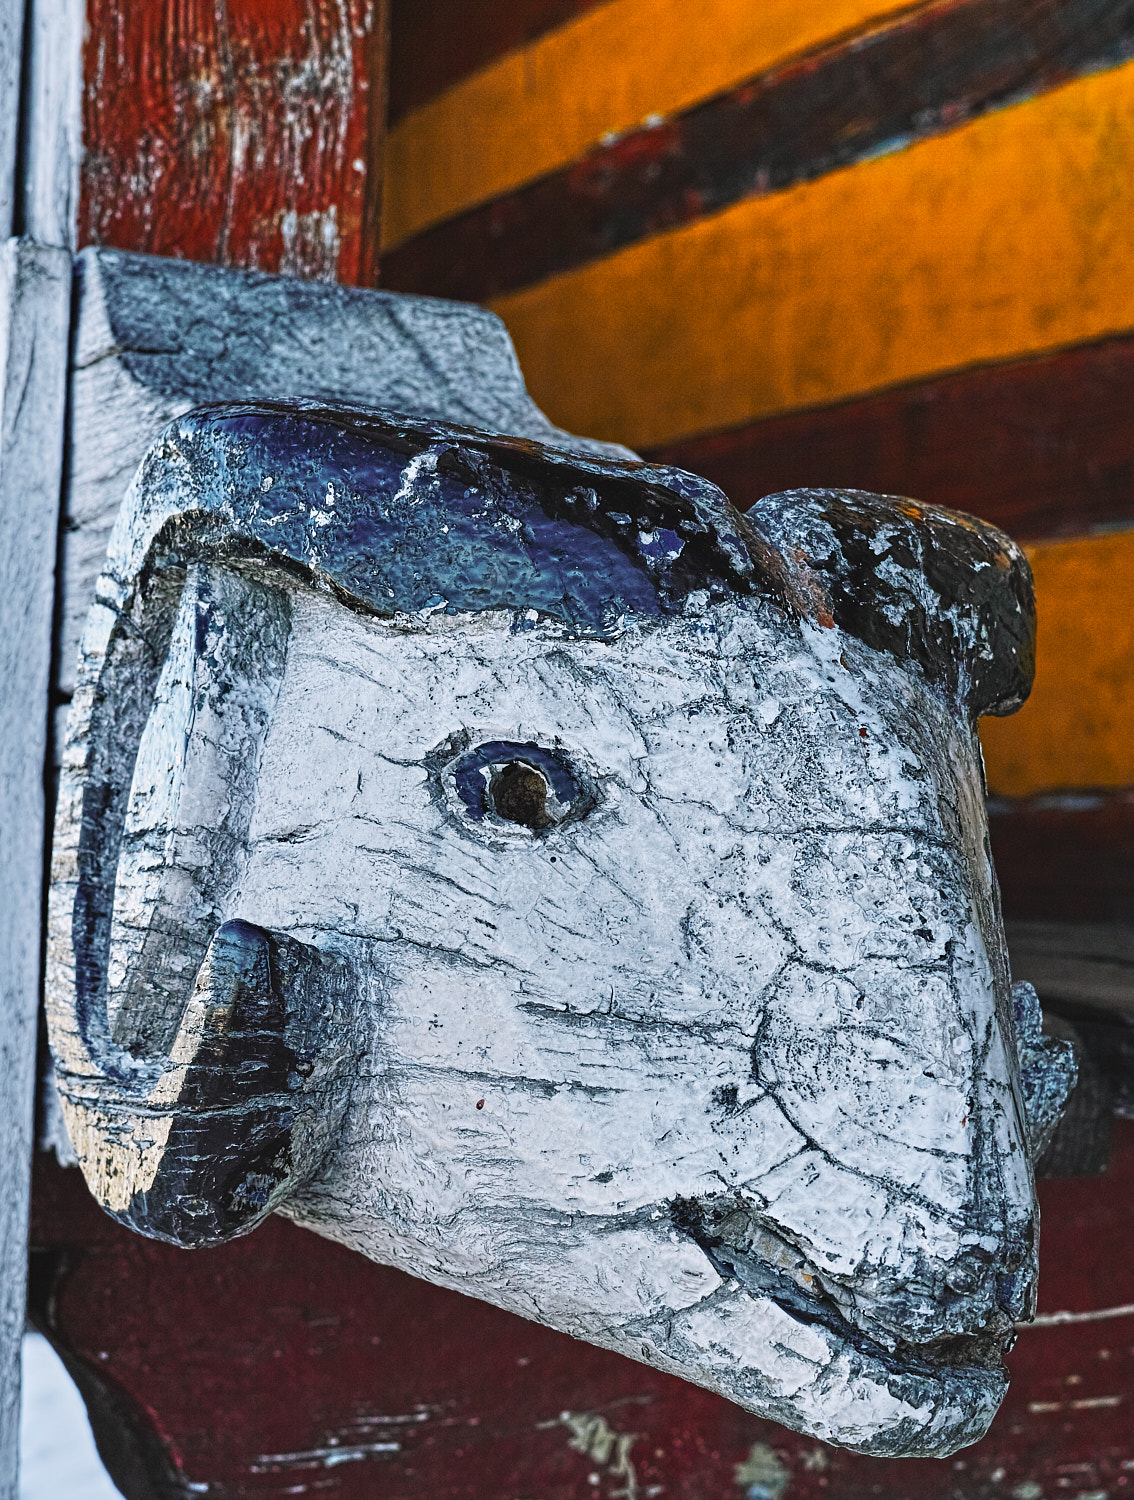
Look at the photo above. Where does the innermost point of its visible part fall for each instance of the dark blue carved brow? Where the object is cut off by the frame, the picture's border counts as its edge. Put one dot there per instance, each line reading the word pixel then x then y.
pixel 402 515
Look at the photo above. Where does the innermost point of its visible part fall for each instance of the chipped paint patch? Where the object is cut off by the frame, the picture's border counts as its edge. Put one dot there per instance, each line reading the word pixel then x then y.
pixel 762 1476
pixel 593 1436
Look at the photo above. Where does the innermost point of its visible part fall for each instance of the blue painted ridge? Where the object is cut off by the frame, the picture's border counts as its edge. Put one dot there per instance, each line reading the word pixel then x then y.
pixel 401 515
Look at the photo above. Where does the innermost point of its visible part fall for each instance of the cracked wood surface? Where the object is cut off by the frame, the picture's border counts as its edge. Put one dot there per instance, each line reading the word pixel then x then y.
pixel 715 1066
pixel 158 337
pixel 353 1379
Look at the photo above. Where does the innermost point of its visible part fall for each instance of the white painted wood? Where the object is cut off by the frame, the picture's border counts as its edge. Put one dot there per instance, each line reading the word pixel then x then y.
pixel 716 1068
pixel 156 337
pixel 52 128
pixel 11 45
pixel 35 290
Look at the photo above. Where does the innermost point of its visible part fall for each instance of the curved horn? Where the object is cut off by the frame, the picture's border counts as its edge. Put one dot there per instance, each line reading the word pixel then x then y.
pixel 194 1062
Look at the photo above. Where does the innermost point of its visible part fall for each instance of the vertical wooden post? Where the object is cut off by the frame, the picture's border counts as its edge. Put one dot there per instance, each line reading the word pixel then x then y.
pixel 11 47
pixel 12 1180
pixel 289 99
pixel 248 134
pixel 51 131
pixel 35 289
pixel 39 157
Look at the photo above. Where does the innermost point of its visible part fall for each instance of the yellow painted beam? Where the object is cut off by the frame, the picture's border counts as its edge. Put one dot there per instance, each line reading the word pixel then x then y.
pixel 1077 728
pixel 536 110
pixel 1010 236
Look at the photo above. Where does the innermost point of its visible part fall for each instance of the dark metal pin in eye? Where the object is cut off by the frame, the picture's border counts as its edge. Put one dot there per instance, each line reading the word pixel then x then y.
pixel 519 794
pixel 528 785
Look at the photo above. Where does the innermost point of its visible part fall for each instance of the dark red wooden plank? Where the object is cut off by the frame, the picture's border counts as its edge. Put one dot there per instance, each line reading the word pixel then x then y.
pixel 283 1364
pixel 247 133
pixel 927 73
pixel 436 43
pixel 1043 448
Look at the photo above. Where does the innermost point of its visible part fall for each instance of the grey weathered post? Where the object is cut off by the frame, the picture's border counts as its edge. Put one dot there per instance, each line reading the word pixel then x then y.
pixel 35 293
pixel 34 307
pixel 52 94
pixel 11 44
pixel 11 1194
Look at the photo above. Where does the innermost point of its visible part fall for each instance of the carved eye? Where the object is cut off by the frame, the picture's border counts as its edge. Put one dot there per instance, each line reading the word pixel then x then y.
pixel 524 785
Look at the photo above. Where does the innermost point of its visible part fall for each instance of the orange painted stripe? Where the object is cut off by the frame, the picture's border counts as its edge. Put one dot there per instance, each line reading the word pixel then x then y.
pixel 1011 236
pixel 538 109
pixel 1077 728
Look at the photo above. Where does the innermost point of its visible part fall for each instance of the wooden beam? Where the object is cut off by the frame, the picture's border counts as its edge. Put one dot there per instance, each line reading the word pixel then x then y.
pixel 898 269
pixel 155 337
pixel 539 109
pixel 35 292
pixel 1041 447
pixel 917 76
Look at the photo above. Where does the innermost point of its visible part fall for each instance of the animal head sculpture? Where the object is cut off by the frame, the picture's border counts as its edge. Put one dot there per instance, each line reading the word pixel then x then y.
pixel 523 869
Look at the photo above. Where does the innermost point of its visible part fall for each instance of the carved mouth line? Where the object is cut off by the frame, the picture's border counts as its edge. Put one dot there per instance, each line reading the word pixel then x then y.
pixel 931 1357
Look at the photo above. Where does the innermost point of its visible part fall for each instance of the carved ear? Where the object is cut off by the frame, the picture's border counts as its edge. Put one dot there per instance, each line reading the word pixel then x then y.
pixel 928 585
pixel 195 1105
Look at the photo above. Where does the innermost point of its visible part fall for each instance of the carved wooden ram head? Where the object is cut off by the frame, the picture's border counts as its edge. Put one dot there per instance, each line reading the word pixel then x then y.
pixel 523 869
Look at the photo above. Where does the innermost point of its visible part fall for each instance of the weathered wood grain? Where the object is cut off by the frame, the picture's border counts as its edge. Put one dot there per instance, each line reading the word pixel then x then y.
pixel 758 838
pixel 52 127
pixel 913 78
pixel 155 337
pixel 34 314
pixel 241 134
pixel 11 44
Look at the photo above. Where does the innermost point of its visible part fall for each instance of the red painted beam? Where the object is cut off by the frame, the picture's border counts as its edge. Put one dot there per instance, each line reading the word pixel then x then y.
pixel 1043 447
pixel 246 134
pixel 282 1364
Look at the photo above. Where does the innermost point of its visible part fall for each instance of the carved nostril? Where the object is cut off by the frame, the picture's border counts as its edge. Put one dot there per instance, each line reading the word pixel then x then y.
pixel 519 794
